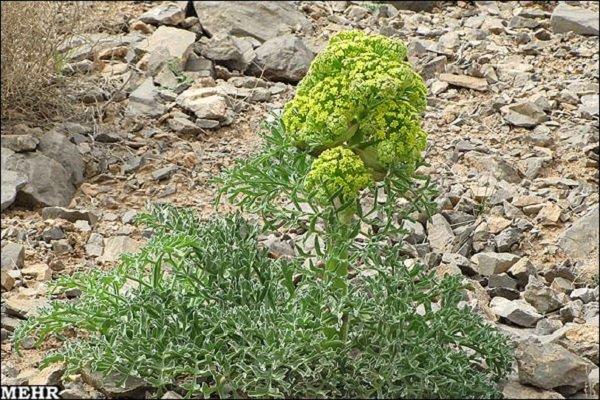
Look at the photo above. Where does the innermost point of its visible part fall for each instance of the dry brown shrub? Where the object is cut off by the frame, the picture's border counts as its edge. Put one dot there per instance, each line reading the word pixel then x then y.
pixel 32 32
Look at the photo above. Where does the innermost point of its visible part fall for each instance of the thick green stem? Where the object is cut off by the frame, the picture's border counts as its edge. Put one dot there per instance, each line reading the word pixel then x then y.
pixel 339 264
pixel 345 326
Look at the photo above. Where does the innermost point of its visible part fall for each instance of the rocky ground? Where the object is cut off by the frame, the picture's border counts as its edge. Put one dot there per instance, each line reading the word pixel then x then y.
pixel 513 149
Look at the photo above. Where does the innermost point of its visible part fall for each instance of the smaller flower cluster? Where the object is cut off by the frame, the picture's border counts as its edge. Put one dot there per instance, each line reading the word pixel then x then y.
pixel 337 169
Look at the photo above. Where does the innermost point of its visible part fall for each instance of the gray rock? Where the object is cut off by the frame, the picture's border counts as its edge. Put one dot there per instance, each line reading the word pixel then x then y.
pixel 13 255
pixel 248 82
pixel 507 293
pixel 418 5
pixel 580 240
pixel 566 18
pixel 525 114
pixel 562 270
pixel 458 219
pixel 131 164
pixel 259 95
pixel 166 78
pixel 6 280
pixel 82 226
pixel 438 87
pixel 19 143
pixel 415 233
pixel 117 245
pixel 518 312
pixel 572 311
pixel 95 245
pixel 79 67
pixel 40 272
pixel 439 233
pixel 51 375
pixel 48 183
pixel 548 366
pixel 356 13
pixel 562 285
pixel 547 326
pixel 540 137
pixel 514 390
pixel 262 20
pixel 56 146
pixel 489 263
pixel 518 21
pixel 145 100
pixel 593 320
pixel 229 51
pixel 465 81
pixel 129 216
pixel 184 126
pixel 279 248
pixel 11 183
pixel 76 392
pixel 175 42
pixel 502 281
pixel 10 323
pixel 62 246
pixel 581 339
pixel 165 172
pixel 448 42
pixel 207 123
pixel 53 233
pixel 584 294
pixel 70 215
pixel 194 63
pixel 532 166
pixel 114 386
pixel 495 164
pixel 507 238
pixel 542 297
pixel 164 14
pixel 590 106
pixel 171 395
pixel 92 95
pixel 434 67
pixel 206 103
pixel 109 136
pixel 22 306
pixel 593 378
pixel 459 261
pixel 493 25
pixel 284 58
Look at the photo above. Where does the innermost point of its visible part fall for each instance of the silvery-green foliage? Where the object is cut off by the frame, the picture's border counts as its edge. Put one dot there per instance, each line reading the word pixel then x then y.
pixel 202 309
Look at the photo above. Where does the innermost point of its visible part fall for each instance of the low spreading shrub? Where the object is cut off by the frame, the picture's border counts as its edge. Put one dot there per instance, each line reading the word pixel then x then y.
pixel 204 310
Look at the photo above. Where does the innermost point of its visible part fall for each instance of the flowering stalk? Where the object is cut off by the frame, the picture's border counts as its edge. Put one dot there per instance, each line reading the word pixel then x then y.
pixel 357 111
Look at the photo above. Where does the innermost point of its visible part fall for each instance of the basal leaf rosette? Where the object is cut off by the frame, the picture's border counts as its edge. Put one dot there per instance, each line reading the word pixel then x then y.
pixel 360 94
pixel 337 171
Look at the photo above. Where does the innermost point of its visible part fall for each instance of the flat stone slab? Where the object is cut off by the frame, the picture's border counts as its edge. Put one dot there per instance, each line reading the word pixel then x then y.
pixel 175 41
pixel 262 20
pixel 465 81
pixel 566 18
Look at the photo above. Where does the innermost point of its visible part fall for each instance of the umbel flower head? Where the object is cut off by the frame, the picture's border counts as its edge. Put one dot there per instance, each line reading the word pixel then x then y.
pixel 337 169
pixel 361 94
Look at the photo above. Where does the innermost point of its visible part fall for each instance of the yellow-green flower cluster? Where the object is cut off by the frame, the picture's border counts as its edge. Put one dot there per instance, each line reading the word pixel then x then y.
pixel 337 169
pixel 361 94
